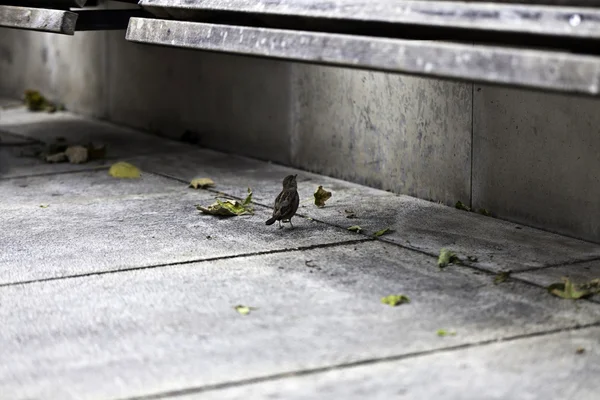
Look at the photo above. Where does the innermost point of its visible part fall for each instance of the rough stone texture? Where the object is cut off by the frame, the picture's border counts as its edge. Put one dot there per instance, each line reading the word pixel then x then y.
pixel 162 329
pixel 412 136
pixel 418 224
pixel 536 159
pixel 495 372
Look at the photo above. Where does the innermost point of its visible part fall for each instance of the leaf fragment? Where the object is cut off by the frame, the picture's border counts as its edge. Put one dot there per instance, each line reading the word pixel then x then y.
pixel 395 299
pixel 382 232
pixel 229 208
pixel 350 214
pixel 444 332
pixel 571 291
pixel 201 183
pixel 77 154
pixel 472 258
pixel 44 206
pixel 447 257
pixel 580 350
pixel 56 158
pixel 124 170
pixel 248 199
pixel 36 102
pixel 321 196
pixel 355 228
pixel 484 211
pixel 502 276
pixel 244 310
pixel 462 206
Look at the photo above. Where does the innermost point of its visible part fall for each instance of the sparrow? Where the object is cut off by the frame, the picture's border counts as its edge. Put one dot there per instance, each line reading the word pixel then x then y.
pixel 286 203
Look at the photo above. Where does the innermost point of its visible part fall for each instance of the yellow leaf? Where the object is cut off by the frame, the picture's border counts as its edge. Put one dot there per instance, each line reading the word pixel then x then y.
pixel 395 299
pixel 355 228
pixel 201 183
pixel 124 170
pixel 244 310
pixel 446 257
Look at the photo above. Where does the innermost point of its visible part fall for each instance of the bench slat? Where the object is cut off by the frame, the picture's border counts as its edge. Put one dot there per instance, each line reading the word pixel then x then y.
pixel 38 19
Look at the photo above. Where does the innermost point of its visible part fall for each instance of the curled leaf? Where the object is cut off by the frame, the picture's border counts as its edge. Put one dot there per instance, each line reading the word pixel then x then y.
pixel 462 206
pixel 502 276
pixel 77 154
pixel 485 212
pixel 571 291
pixel 227 208
pixel 124 170
pixel 443 332
pixel 201 183
pixel 36 102
pixel 383 232
pixel 395 299
pixel 355 228
pixel 446 257
pixel 321 196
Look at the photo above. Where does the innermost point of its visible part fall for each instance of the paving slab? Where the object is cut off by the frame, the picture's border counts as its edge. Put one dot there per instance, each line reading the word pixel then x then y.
pixel 95 223
pixel 546 367
pixel 578 273
pixel 7 102
pixel 46 127
pixel 418 224
pixel 163 329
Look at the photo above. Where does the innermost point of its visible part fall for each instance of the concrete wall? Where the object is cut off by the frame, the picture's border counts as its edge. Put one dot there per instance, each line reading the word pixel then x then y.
pixel 526 156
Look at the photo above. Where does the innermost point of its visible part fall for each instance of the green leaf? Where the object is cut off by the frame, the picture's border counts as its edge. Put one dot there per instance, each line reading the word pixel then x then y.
pixel 395 299
pixel 485 212
pixel 321 196
pixel 447 257
pixel 568 290
pixel 462 206
pixel 355 228
pixel 229 208
pixel 443 332
pixel 383 232
pixel 244 310
pixel 502 276
pixel 44 206
pixel 248 199
pixel 201 183
pixel 124 170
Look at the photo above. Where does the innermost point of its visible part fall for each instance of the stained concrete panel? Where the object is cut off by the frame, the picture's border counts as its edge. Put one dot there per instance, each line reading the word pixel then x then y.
pixel 67 69
pixel 536 159
pixel 410 135
pixel 235 104
pixel 156 330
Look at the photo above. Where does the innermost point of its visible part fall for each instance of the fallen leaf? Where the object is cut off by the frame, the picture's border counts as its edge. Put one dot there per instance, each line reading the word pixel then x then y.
pixel 310 263
pixel 443 332
pixel 568 290
pixel 485 212
pixel 383 232
pixel 350 214
pixel 472 258
pixel 201 183
pixel 355 228
pixel 395 300
pixel 77 154
pixel 446 257
pixel 36 102
pixel 502 276
pixel 56 158
pixel 321 196
pixel 124 170
pixel 248 199
pixel 580 350
pixel 44 206
pixel 462 206
pixel 244 310
pixel 227 208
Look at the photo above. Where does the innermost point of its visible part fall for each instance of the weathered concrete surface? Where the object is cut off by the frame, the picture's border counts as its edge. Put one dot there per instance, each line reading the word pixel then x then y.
pixel 45 128
pixel 418 224
pixel 538 368
pixel 578 273
pixel 412 136
pixel 156 330
pixel 99 226
pixel 536 159
pixel 37 19
pixel 69 69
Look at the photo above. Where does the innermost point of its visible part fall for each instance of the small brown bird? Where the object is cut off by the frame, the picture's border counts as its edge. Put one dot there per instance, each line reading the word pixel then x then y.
pixel 286 203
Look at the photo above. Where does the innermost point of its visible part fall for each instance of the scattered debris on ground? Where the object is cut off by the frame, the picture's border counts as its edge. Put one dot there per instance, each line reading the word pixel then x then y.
pixel 36 102
pixel 229 208
pixel 444 332
pixel 395 300
pixel 447 257
pixel 61 151
pixel 484 211
pixel 202 183
pixel 472 258
pixel 572 291
pixel 382 232
pixel 44 206
pixel 350 214
pixel 244 310
pixel 321 196
pixel 355 228
pixel 580 350
pixel 462 206
pixel 124 170
pixel 502 276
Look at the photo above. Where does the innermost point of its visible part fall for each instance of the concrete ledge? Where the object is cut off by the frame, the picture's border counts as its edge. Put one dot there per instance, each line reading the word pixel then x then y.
pixel 533 69
pixel 35 19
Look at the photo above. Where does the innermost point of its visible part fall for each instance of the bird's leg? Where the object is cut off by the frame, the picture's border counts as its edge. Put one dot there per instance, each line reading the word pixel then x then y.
pixel 280 227
pixel 290 221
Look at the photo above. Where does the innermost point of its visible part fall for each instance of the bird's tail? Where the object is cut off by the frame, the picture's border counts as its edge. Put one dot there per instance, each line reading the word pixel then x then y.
pixel 271 221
